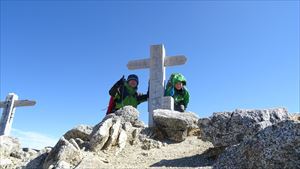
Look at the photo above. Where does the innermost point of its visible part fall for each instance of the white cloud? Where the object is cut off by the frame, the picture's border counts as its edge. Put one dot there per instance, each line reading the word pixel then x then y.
pixel 33 139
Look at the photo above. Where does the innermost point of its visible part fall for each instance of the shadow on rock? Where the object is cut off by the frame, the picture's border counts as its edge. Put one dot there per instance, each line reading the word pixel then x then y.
pixel 200 160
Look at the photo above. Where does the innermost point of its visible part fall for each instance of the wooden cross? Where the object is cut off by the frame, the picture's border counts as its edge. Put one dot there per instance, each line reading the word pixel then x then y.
pixel 157 63
pixel 9 108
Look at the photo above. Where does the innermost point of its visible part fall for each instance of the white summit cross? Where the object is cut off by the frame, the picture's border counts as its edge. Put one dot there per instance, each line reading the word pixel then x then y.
pixel 9 108
pixel 157 63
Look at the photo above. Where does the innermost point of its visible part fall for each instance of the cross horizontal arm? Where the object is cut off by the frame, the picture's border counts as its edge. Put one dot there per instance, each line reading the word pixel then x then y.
pixel 175 60
pixel 19 103
pixel 138 64
pixel 2 104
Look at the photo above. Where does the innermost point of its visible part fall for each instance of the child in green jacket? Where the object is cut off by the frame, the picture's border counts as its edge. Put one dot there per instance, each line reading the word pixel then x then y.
pixel 176 87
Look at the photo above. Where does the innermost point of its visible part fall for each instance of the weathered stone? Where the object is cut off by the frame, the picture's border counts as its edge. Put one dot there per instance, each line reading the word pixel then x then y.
pixel 37 162
pixel 82 131
pixel 115 129
pixel 63 165
pixel 295 116
pixel 122 141
pixel 91 161
pixel 114 133
pixel 8 145
pixel 100 134
pixel 127 126
pixel 230 128
pixel 128 114
pixel 64 151
pixel 139 124
pixel 175 125
pixel 276 146
pixel 148 143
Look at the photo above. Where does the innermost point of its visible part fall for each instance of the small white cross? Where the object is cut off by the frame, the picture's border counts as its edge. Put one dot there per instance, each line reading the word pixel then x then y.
pixel 9 108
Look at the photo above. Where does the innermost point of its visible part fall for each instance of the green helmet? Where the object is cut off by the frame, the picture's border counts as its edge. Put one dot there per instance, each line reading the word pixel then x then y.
pixel 178 77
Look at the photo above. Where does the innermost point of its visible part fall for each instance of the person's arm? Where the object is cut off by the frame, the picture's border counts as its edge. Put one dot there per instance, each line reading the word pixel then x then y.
pixel 186 97
pixel 116 87
pixel 141 97
pixel 169 91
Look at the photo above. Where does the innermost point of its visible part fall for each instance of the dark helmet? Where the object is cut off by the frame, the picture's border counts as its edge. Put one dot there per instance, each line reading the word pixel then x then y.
pixel 133 77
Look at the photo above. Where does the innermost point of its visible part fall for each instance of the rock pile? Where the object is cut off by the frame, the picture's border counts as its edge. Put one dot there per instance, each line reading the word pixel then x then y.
pixel 276 146
pixel 229 128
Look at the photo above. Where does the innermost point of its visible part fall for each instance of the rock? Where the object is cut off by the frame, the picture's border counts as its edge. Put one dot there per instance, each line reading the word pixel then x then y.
pixel 82 131
pixel 295 116
pixel 148 143
pixel 62 165
pixel 175 125
pixel 276 146
pixel 122 141
pixel 100 134
pixel 138 124
pixel 91 161
pixel 230 128
pixel 6 163
pixel 37 162
pixel 9 145
pixel 114 133
pixel 128 114
pixel 66 151
pixel 115 130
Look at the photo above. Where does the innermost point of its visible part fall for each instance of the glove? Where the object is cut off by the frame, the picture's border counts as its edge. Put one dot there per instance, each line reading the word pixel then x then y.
pixel 115 87
pixel 121 81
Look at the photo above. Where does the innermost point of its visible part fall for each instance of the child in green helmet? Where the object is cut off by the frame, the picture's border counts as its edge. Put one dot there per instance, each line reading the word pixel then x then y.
pixel 124 93
pixel 176 87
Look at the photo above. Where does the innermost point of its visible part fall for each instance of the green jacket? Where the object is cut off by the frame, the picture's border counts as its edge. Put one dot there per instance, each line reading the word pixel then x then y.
pixel 180 96
pixel 124 95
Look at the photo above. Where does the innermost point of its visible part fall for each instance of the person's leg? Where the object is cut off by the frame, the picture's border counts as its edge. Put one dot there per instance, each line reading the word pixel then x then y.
pixel 179 107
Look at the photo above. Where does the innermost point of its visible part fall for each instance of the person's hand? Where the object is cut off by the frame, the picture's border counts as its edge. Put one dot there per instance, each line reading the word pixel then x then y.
pixel 121 81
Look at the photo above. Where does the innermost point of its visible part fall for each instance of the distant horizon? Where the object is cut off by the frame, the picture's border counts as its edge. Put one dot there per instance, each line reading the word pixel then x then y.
pixel 66 55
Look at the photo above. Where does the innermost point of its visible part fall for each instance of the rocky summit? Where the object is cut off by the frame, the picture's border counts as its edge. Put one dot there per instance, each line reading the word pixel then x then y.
pixel 240 139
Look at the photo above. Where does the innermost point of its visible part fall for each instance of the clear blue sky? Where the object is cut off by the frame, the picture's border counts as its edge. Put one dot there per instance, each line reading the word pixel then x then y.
pixel 66 56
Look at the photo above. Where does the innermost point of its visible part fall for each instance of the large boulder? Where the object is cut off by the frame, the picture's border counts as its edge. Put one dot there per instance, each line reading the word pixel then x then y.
pixel 276 146
pixel 82 132
pixel 173 124
pixel 229 128
pixel 65 154
pixel 8 145
pixel 115 130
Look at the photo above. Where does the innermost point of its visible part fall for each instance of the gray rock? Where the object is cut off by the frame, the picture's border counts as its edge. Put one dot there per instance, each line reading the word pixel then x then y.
pixel 128 114
pixel 37 162
pixel 276 146
pixel 148 143
pixel 9 145
pixel 114 133
pixel 122 141
pixel 138 124
pixel 230 128
pixel 115 130
pixel 82 131
pixel 63 151
pixel 175 125
pixel 101 133
pixel 90 161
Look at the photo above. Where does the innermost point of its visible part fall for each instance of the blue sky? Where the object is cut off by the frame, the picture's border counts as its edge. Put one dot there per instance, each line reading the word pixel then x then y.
pixel 66 56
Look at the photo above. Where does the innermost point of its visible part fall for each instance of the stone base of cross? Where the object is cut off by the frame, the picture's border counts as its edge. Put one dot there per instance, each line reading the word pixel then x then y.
pixel 9 108
pixel 157 63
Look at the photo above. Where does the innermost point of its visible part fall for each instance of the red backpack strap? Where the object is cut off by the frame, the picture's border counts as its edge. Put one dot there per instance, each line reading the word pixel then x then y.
pixel 111 105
